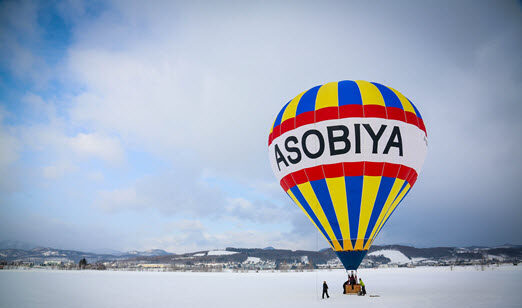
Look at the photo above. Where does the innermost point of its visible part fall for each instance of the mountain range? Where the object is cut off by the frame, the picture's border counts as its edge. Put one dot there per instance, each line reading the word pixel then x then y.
pixel 379 254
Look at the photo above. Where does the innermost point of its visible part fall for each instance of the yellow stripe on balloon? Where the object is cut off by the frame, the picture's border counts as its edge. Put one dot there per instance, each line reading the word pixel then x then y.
pixel 291 194
pixel 396 202
pixel 327 96
pixel 337 189
pixel 310 197
pixel 391 197
pixel 370 94
pixel 291 109
pixel 406 105
pixel 369 194
pixel 393 206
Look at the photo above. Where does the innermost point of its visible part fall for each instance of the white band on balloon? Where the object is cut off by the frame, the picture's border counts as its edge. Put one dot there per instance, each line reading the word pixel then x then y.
pixel 399 143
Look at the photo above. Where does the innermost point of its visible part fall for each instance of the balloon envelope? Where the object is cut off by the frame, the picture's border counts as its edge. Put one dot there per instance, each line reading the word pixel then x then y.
pixel 347 153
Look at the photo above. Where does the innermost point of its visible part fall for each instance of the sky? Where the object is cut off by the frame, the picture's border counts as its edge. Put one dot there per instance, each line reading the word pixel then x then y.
pixel 144 124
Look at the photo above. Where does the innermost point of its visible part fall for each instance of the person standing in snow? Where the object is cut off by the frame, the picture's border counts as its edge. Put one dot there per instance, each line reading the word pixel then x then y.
pixel 345 284
pixel 325 290
pixel 363 288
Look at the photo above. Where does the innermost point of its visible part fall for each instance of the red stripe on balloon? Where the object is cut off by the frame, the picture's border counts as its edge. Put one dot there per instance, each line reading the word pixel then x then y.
pixel 315 173
pixel 403 173
pixel 276 132
pixel 327 113
pixel 284 184
pixel 412 118
pixel 349 169
pixel 333 170
pixel 287 125
pixel 391 170
pixel 353 169
pixel 373 168
pixel 351 111
pixel 305 118
pixel 374 111
pixel 421 125
pixel 299 177
pixel 346 111
pixel 395 113
pixel 413 179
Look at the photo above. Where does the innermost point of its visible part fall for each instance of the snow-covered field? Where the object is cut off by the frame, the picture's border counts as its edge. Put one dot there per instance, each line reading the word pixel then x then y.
pixel 397 287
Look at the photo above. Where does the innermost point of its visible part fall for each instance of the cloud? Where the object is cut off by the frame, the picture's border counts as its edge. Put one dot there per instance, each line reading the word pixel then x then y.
pixel 49 231
pixel 193 235
pixel 189 225
pixel 183 192
pixel 260 211
pixel 180 190
pixel 96 176
pixel 9 144
pixel 118 199
pixel 20 33
pixel 98 146
pixel 53 172
pixel 194 87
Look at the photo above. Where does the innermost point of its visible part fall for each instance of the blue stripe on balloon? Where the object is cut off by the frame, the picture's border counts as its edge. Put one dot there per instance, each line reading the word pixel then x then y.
pixel 323 195
pixel 280 115
pixel 416 110
pixel 349 93
pixel 299 196
pixel 354 186
pixel 307 101
pixel 382 195
pixel 390 99
pixel 398 194
pixel 384 222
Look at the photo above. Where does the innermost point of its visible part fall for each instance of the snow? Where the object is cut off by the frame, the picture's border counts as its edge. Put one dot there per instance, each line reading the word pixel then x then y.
pixel 252 260
pixel 395 256
pixel 220 253
pixel 199 254
pixel 397 287
pixel 494 257
pixel 50 253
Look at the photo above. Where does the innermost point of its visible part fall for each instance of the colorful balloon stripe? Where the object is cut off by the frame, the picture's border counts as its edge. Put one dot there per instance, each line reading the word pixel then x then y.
pixel 362 201
pixel 349 169
pixel 345 99
pixel 352 209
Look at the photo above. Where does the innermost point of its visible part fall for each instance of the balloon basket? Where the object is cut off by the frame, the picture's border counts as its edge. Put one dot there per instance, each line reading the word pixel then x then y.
pixel 349 291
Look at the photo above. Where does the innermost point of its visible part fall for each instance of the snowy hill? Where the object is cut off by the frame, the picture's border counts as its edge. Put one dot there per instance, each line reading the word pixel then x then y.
pixel 149 253
pixel 220 253
pixel 395 256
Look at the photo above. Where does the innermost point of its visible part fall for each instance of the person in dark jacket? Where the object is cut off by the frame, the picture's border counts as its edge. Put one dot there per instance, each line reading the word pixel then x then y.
pixel 325 290
pixel 347 282
pixel 352 280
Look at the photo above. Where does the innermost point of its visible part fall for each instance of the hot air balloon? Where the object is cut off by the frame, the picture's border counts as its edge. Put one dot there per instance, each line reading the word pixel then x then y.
pixel 347 153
